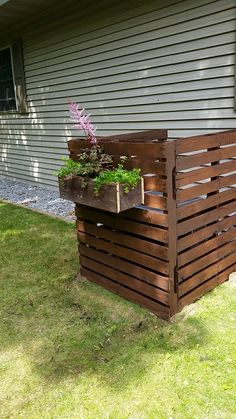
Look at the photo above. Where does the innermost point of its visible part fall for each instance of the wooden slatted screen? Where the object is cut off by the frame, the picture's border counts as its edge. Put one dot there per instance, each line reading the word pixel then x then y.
pixel 206 213
pixel 182 241
pixel 128 253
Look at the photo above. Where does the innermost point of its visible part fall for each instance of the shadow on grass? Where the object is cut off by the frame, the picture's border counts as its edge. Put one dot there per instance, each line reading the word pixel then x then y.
pixel 68 326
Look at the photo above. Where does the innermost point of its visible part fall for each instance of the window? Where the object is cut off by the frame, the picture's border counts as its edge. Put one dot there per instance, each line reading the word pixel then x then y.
pixel 12 83
pixel 7 91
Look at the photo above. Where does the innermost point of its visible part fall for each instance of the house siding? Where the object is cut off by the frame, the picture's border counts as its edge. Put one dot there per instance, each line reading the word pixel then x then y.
pixel 160 65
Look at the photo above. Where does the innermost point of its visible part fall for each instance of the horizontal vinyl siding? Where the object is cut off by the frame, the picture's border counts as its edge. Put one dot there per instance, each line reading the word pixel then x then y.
pixel 165 64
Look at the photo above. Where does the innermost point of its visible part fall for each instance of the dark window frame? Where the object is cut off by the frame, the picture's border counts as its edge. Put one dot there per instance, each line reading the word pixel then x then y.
pixel 8 51
pixel 18 77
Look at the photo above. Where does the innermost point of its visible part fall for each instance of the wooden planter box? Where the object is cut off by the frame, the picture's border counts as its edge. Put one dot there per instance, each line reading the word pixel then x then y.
pixel 181 243
pixel 111 198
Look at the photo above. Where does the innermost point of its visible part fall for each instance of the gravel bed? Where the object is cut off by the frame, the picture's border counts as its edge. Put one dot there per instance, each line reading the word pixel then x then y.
pixel 36 197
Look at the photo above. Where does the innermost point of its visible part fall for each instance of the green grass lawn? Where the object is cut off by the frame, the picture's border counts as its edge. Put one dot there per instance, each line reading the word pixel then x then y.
pixel 69 349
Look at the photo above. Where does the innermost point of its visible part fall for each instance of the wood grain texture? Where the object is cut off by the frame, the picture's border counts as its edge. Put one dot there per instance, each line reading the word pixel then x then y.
pixel 199 142
pixel 122 278
pixel 112 198
pixel 205 233
pixel 206 203
pixel 120 237
pixel 155 279
pixel 127 293
pixel 206 286
pixel 124 223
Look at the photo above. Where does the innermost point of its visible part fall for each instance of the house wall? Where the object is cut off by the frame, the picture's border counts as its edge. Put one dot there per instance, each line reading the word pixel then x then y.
pixel 165 64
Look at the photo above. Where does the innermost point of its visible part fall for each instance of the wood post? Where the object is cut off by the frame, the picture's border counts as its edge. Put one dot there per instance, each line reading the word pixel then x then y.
pixel 172 231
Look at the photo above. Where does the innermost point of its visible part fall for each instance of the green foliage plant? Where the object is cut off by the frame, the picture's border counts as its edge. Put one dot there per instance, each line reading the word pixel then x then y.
pixel 93 162
pixel 92 170
pixel 70 167
pixel 128 178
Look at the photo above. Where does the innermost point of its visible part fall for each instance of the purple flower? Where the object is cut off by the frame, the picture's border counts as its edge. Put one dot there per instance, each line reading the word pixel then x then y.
pixel 82 121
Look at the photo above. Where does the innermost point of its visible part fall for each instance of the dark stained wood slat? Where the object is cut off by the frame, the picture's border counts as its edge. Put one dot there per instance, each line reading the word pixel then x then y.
pixel 129 294
pixel 199 221
pixel 206 273
pixel 183 179
pixel 149 135
pixel 212 243
pixel 186 162
pixel 205 233
pixel 207 218
pixel 154 183
pixel 147 216
pixel 152 278
pixel 125 253
pixel 155 201
pixel 120 223
pixel 199 142
pixel 203 204
pixel 205 188
pixel 206 287
pixel 150 151
pixel 122 239
pixel 124 279
pixel 206 260
pixel 146 166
